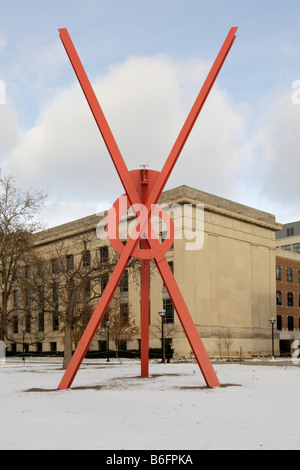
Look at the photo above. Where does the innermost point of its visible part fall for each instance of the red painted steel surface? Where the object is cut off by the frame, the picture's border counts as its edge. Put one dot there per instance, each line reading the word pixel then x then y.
pixel 143 187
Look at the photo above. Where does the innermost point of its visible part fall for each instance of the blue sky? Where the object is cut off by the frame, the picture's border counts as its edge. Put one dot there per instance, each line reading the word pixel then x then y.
pixel 147 62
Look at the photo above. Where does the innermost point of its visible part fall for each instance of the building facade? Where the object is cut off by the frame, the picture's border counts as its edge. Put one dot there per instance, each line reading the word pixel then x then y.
pixel 288 285
pixel 223 259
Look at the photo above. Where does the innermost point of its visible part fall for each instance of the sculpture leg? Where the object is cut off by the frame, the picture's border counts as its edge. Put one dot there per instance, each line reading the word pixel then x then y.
pixel 145 286
pixel 187 323
pixel 97 317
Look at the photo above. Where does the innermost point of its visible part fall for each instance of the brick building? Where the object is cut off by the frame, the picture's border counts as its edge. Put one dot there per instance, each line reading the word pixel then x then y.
pixel 288 285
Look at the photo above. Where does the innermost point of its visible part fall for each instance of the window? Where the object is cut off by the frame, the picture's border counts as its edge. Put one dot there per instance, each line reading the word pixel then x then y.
pixel 279 322
pixel 41 270
pixel 289 275
pixel 27 311
pixel 169 308
pixel 299 300
pixel 55 266
pixel 124 282
pixel 41 320
pixel 87 258
pixel 278 297
pixel 27 272
pixel 105 319
pixel 278 273
pixel 124 314
pixel 103 282
pixel 290 299
pixel 16 298
pixel 287 247
pixel 53 347
pixel 70 262
pixel 41 309
pixel 171 264
pixel 87 290
pixel 164 235
pixel 102 346
pixel 15 314
pixel 55 295
pixel 123 346
pixel 16 322
pixel 39 347
pixel 296 247
pixel 290 323
pixel 104 254
pixel 55 322
pixel 290 232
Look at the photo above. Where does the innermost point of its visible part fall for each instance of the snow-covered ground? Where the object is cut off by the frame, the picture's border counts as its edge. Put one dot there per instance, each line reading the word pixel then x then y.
pixel 259 409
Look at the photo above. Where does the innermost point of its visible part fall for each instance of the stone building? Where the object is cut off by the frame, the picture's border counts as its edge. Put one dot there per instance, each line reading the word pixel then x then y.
pixel 223 259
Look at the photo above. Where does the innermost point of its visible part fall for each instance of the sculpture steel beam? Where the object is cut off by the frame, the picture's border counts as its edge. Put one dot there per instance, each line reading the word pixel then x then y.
pixel 143 189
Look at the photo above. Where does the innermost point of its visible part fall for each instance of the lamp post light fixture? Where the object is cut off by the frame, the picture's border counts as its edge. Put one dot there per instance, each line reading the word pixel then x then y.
pixel 23 331
pixel 107 324
pixel 272 321
pixel 162 314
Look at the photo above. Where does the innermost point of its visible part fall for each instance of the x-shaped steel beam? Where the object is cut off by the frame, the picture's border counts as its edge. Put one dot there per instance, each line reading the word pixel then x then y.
pixel 147 198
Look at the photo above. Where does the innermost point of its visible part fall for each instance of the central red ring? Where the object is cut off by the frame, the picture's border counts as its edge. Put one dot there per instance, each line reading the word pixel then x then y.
pixel 122 204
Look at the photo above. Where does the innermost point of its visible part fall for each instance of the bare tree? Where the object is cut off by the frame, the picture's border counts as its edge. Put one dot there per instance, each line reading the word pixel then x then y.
pixel 71 279
pixel 228 342
pixel 18 212
pixel 219 343
pixel 123 327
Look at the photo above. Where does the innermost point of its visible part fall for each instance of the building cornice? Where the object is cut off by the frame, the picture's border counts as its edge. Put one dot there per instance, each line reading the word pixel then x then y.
pixel 179 195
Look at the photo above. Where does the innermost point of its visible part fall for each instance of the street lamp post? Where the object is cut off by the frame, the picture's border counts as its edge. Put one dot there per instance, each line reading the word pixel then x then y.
pixel 162 314
pixel 272 321
pixel 107 324
pixel 23 331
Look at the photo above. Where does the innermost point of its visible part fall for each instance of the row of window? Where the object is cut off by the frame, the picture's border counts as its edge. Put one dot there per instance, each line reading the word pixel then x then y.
pixel 289 275
pixel 124 316
pixel 124 287
pixel 55 299
pixel 102 347
pixel 86 259
pixel 295 247
pixel 39 347
pixel 292 323
pixel 290 296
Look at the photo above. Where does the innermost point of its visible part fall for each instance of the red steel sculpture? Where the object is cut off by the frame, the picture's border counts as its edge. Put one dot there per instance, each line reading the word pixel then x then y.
pixel 143 189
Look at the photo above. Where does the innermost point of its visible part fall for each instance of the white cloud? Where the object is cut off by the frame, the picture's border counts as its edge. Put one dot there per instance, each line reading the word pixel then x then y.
pixel 278 143
pixel 37 64
pixel 9 129
pixel 146 101
pixel 3 42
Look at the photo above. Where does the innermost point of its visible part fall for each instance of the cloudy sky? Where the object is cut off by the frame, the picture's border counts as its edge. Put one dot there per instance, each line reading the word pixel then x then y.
pixel 147 61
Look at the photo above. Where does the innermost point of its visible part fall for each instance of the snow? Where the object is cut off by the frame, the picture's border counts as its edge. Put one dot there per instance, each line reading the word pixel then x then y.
pixel 172 409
